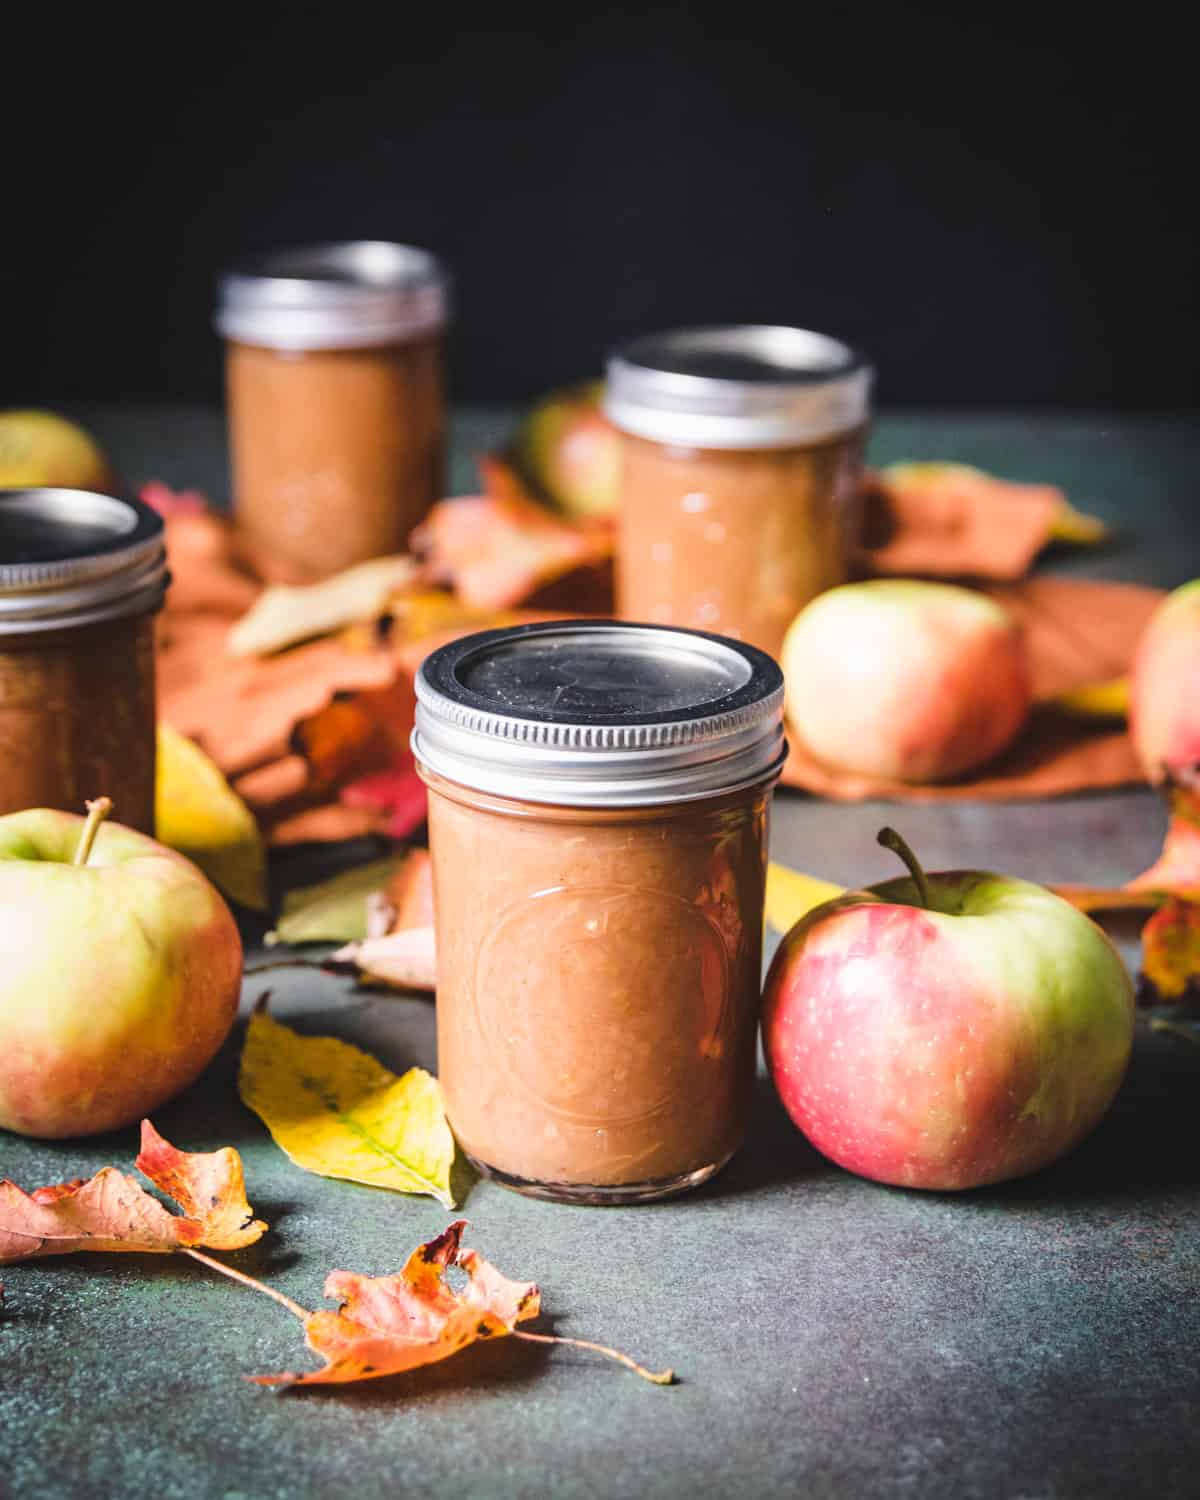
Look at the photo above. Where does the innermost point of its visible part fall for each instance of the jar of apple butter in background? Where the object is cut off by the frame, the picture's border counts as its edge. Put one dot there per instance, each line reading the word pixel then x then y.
pixel 598 824
pixel 82 576
pixel 742 453
pixel 336 411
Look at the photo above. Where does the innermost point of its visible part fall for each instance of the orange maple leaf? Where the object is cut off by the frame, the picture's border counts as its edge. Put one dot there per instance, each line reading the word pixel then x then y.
pixel 1177 870
pixel 498 549
pixel 389 1324
pixel 1171 938
pixel 112 1211
pixel 1171 951
pixel 209 1186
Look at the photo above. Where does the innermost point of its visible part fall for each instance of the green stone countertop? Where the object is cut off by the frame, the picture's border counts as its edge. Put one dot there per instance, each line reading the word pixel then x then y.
pixel 833 1338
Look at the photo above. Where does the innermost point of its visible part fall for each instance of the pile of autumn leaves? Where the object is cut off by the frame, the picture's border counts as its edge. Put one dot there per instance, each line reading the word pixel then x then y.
pixel 384 1325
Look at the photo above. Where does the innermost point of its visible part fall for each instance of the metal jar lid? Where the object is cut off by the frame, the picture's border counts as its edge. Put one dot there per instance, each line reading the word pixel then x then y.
pixel 74 557
pixel 751 386
pixel 600 713
pixel 340 296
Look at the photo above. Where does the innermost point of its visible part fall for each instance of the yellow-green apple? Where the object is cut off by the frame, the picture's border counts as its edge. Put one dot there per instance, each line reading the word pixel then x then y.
pixel 571 452
pixel 122 967
pixel 1164 698
pixel 42 448
pixel 946 1031
pixel 905 680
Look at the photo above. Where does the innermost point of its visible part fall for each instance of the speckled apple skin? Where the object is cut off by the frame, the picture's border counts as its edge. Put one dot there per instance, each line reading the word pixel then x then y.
pixel 906 680
pixel 1164 702
pixel 935 1049
pixel 120 978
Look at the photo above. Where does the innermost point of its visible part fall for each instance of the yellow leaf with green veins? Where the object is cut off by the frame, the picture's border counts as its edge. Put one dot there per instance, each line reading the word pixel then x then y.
pixel 338 1112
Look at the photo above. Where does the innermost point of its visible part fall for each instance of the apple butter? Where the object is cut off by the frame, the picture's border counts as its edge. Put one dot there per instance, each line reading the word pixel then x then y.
pixel 741 462
pixel 81 578
pixel 336 410
pixel 598 822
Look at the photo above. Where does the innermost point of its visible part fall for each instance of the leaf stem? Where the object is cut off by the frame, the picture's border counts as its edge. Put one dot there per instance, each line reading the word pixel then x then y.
pixel 1176 1028
pixel 287 963
pixel 890 839
pixel 655 1377
pixel 97 811
pixel 255 1286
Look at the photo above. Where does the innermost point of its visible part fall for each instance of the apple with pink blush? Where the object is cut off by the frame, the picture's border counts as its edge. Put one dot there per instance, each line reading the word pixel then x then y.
pixel 1164 707
pixel 122 971
pixel 949 1030
pixel 906 680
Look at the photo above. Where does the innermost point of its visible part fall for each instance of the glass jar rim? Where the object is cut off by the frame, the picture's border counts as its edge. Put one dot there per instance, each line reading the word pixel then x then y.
pixel 337 295
pixel 740 386
pixel 599 713
pixel 71 557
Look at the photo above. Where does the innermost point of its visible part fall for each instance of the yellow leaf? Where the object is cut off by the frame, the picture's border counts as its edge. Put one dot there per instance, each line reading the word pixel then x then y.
pixel 338 1112
pixel 199 813
pixel 791 895
pixel 1098 700
pixel 286 614
pixel 1071 525
pixel 335 910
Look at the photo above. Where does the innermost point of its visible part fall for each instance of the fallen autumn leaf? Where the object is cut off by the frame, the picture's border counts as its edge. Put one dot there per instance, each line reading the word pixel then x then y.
pixel 389 1324
pixel 198 813
pixel 334 910
pixel 285 614
pixel 338 1112
pixel 113 1212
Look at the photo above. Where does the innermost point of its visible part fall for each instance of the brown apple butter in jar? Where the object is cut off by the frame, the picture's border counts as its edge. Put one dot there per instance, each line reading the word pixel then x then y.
pixel 598 822
pixel 740 472
pixel 336 412
pixel 81 578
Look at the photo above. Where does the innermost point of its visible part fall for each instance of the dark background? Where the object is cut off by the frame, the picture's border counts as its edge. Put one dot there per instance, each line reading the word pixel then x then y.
pixel 997 208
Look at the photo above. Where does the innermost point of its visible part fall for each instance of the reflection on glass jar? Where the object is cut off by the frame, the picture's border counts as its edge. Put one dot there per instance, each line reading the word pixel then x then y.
pixel 598 963
pixel 741 461
pixel 81 577
pixel 336 408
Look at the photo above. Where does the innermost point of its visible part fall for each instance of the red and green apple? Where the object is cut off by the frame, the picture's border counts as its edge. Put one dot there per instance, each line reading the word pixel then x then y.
pixel 904 679
pixel 949 1030
pixel 1164 700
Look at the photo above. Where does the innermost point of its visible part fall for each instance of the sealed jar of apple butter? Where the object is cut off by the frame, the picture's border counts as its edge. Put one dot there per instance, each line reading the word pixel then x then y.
pixel 82 576
pixel 336 412
pixel 598 824
pixel 742 453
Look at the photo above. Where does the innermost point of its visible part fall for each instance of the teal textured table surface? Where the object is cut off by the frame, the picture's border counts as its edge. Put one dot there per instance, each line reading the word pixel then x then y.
pixel 832 1337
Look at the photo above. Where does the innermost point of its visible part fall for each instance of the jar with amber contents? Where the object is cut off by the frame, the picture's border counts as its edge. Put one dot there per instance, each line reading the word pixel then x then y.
pixel 81 578
pixel 336 412
pixel 598 824
pixel 742 452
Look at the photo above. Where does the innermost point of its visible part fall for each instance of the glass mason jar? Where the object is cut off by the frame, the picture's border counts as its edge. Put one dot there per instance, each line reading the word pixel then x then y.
pixel 598 824
pixel 82 576
pixel 741 463
pixel 336 412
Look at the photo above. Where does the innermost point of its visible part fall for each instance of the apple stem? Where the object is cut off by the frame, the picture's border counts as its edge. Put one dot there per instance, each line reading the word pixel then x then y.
pixel 890 839
pixel 97 811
